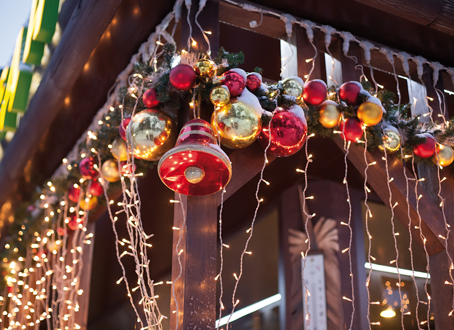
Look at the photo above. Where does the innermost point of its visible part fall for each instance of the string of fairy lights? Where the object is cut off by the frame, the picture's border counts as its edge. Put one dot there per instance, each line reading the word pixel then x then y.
pixel 45 286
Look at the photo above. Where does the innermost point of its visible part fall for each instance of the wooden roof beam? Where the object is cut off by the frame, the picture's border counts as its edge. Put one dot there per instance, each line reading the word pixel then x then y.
pixel 86 26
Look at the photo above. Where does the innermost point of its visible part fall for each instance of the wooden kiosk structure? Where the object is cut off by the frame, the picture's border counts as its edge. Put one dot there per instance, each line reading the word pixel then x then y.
pixel 99 38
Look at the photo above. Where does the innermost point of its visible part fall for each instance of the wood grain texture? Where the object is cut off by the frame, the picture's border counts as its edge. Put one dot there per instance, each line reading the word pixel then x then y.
pixel 290 285
pixel 195 288
pixel 246 163
pixel 441 293
pixel 419 11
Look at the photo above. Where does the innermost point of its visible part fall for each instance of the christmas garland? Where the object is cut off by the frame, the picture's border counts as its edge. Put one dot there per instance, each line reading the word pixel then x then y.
pixel 279 115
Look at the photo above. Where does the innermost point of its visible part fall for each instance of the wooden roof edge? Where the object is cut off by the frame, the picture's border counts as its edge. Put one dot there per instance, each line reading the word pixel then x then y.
pixel 83 31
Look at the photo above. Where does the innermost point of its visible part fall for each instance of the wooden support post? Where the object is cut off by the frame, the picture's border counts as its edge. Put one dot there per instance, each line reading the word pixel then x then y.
pixel 194 280
pixel 290 285
pixel 193 300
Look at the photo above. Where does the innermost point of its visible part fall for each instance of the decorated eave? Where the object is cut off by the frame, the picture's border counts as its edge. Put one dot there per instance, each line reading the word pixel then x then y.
pixel 97 31
pixel 62 110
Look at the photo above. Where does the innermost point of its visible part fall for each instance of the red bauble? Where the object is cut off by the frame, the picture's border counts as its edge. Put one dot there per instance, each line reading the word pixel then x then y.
pixel 127 169
pixel 61 231
pixel 351 129
pixel 315 92
pixel 196 166
pixel 349 92
pixel 288 133
pixel 253 82
pixel 73 194
pixel 426 149
pixel 74 223
pixel 182 77
pixel 96 188
pixel 123 127
pixel 235 83
pixel 87 168
pixel 150 98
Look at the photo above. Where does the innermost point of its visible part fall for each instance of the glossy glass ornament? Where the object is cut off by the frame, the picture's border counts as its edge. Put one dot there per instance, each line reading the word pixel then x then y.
pixel 73 194
pixel 87 168
pixel 182 77
pixel 370 113
pixel 74 222
pixel 237 123
pixel 110 171
pixel 119 149
pixel 220 96
pixel 444 155
pixel 205 68
pixel 349 92
pixel 351 129
pixel 391 139
pixel 253 81
pixel 426 149
pixel 96 188
pixel 150 98
pixel 88 204
pixel 315 92
pixel 196 166
pixel 235 82
pixel 329 114
pixel 123 127
pixel 151 134
pixel 287 132
pixel 293 86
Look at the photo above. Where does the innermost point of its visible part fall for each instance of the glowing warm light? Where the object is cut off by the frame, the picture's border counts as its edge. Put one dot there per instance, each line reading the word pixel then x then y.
pixel 388 313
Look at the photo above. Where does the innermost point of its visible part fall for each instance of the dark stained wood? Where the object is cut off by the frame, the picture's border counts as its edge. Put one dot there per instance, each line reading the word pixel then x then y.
pixel 360 19
pixel 290 285
pixel 432 220
pixel 246 163
pixel 441 293
pixel 419 11
pixel 437 14
pixel 195 289
pixel 194 251
pixel 306 51
pixel 444 21
pixel 209 21
pixel 271 26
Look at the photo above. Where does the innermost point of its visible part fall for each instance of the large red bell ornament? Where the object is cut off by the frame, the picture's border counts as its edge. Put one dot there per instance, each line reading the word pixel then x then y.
pixel 196 166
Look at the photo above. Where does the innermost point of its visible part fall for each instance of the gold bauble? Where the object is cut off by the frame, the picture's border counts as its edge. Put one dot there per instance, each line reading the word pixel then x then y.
pixel 151 134
pixel 88 204
pixel 220 96
pixel 391 139
pixel 109 170
pixel 443 156
pixel 52 245
pixel 329 114
pixel 369 113
pixel 293 86
pixel 204 68
pixel 119 149
pixel 237 123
